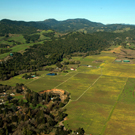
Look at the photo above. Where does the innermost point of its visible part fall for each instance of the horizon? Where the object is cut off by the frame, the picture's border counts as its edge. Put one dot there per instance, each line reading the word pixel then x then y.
pixel 67 19
pixel 106 12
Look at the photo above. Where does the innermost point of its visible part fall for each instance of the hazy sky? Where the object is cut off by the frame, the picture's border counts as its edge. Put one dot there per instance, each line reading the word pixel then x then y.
pixel 104 11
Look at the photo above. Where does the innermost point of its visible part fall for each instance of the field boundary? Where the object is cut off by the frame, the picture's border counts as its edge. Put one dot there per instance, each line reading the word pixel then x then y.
pixel 103 130
pixel 36 79
pixel 65 80
pixel 87 89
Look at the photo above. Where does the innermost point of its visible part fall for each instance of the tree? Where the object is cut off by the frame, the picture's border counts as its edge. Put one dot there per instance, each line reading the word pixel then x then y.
pixel 14 118
pixel 29 132
pixel 1 131
pixel 24 131
pixel 59 65
pixel 7 133
pixel 26 118
pixel 80 131
pixel 61 131
pixel 61 104
pixel 21 102
pixel 29 113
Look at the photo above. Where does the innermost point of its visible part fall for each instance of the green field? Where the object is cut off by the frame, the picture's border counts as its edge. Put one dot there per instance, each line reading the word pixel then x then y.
pixel 17 37
pixel 103 104
pixel 122 121
pixel 92 110
pixel 78 84
pixel 48 82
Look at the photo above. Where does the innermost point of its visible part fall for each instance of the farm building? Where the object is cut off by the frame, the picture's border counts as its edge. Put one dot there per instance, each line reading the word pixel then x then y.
pixel 72 69
pixel 118 60
pixel 11 54
pixel 126 60
pixel 89 65
pixel 33 76
pixel 12 94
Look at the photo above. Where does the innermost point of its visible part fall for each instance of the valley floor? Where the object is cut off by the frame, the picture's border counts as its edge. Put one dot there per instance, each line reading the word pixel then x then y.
pixel 102 96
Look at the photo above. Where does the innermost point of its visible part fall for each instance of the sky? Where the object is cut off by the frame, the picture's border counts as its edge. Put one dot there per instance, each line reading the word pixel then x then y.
pixel 104 11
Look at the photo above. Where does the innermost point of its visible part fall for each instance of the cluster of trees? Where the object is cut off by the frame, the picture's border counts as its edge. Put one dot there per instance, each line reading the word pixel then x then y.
pixel 32 38
pixel 5 50
pixel 49 34
pixel 4 88
pixel 19 88
pixel 14 42
pixel 3 46
pixel 34 98
pixel 25 119
pixel 71 62
pixel 19 117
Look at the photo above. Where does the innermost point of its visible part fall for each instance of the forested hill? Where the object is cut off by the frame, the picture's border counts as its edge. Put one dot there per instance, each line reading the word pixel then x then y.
pixel 20 27
pixel 35 58
pixel 70 25
pixel 85 25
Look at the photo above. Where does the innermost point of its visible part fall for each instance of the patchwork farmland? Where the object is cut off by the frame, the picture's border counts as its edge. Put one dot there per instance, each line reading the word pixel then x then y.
pixel 102 96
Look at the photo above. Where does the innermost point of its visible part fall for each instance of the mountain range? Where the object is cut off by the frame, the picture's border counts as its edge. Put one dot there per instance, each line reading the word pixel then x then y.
pixel 69 25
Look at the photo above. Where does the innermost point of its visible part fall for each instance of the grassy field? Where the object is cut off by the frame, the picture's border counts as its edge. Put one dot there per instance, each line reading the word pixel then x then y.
pixel 48 82
pixel 17 37
pixel 119 69
pixel 92 110
pixel 122 121
pixel 78 84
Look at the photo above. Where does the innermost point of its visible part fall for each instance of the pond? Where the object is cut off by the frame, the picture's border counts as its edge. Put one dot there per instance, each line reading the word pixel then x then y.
pixel 51 74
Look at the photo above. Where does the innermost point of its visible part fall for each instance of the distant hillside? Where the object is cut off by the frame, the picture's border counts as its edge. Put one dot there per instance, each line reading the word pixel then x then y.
pixel 51 22
pixel 70 25
pixel 85 25
pixel 20 27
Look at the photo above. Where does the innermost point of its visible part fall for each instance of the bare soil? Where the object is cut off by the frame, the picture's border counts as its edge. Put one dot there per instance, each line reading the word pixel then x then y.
pixel 57 91
pixel 116 50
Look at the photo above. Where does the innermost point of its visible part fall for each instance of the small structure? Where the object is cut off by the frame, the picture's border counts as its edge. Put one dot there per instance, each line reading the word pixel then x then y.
pixel 89 65
pixel 126 60
pixel 12 94
pixel 51 98
pixel 5 93
pixel 11 54
pixel 72 69
pixel 118 60
pixel 33 76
